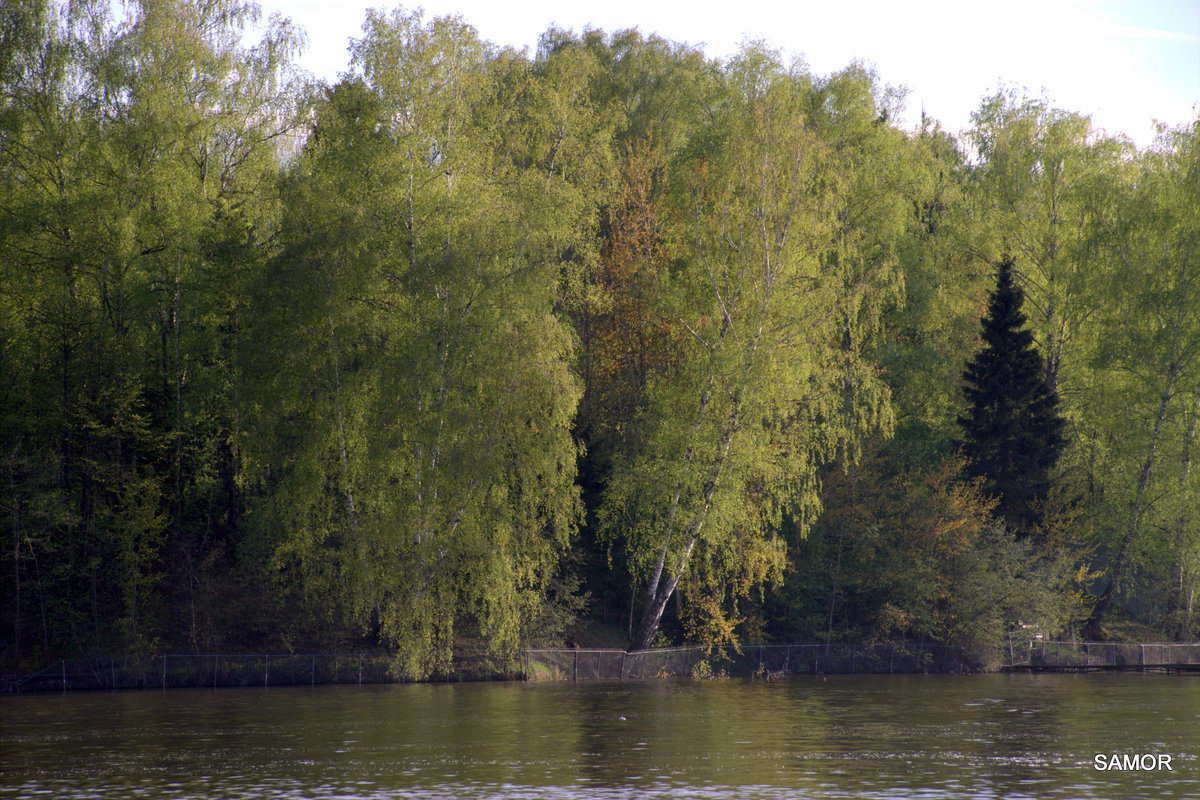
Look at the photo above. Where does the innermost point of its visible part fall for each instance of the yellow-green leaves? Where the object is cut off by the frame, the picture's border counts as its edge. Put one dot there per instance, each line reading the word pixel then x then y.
pixel 770 379
pixel 427 260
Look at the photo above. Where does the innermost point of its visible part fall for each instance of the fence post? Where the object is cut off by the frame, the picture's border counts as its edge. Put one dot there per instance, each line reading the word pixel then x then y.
pixel 266 668
pixel 164 672
pixel 64 675
pixel 576 665
pixel 360 669
pixel 314 670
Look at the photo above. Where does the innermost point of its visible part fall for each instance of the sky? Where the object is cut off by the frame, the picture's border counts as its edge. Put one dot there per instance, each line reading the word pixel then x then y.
pixel 1125 63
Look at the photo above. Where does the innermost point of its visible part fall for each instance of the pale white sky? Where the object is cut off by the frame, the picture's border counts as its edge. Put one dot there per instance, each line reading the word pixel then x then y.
pixel 1124 62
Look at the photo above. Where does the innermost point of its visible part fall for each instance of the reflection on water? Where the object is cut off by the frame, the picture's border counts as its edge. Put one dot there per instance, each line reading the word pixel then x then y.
pixel 990 736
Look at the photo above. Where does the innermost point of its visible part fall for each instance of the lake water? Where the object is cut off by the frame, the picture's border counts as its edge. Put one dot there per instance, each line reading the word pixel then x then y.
pixel 928 737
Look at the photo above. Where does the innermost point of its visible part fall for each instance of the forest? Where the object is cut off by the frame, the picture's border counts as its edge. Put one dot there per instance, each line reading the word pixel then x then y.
pixel 609 343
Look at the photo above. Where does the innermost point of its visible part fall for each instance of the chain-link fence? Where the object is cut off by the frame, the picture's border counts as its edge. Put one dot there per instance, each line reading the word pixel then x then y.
pixel 604 665
pixel 768 661
pixel 765 661
pixel 1038 654
pixel 213 669
pixel 780 660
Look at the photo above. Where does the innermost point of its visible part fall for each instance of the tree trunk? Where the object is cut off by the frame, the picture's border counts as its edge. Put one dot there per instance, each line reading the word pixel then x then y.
pixel 659 592
pixel 1093 629
pixel 15 523
pixel 1179 604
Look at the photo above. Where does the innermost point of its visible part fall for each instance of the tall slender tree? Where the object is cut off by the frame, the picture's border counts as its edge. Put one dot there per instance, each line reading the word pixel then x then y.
pixel 1013 433
pixel 1150 349
pixel 772 380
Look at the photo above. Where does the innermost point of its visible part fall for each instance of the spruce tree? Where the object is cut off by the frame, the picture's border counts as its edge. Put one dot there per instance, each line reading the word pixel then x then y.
pixel 1013 433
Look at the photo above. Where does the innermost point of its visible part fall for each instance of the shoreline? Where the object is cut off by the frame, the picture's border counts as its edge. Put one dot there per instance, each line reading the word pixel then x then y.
pixel 767 662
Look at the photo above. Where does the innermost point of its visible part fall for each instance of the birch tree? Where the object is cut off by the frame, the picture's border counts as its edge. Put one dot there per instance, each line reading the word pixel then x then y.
pixel 766 389
pixel 1043 190
pixel 1151 342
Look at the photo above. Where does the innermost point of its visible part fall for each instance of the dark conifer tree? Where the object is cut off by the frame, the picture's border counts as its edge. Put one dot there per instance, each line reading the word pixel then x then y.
pixel 1013 433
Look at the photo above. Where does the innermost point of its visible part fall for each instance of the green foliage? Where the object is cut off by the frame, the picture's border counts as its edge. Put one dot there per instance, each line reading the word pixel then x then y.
pixel 137 164
pixel 474 343
pixel 435 478
pixel 1044 195
pixel 935 330
pixel 1012 431
pixel 918 555
pixel 771 382
pixel 1149 350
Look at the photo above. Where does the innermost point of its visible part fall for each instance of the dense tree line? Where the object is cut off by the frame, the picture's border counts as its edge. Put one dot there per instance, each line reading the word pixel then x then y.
pixel 610 339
